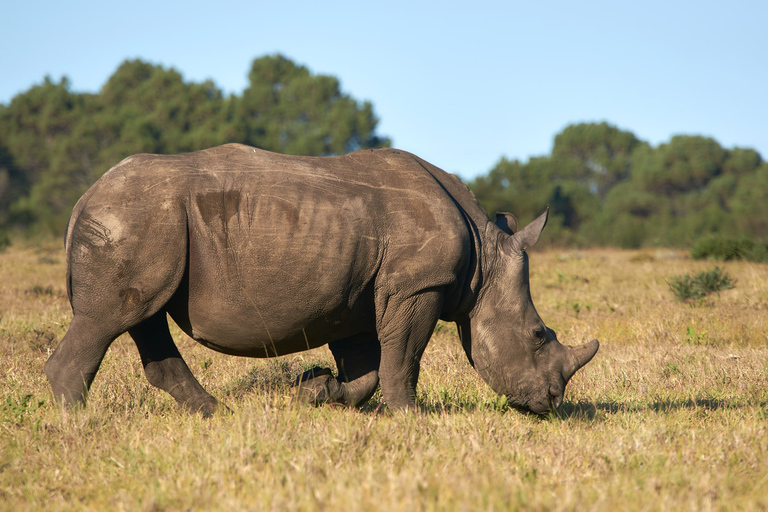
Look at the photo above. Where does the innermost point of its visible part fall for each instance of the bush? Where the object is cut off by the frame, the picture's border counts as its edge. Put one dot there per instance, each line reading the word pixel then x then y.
pixel 695 288
pixel 5 240
pixel 722 248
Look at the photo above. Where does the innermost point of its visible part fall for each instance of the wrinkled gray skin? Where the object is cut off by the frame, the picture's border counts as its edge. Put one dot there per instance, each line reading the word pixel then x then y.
pixel 258 254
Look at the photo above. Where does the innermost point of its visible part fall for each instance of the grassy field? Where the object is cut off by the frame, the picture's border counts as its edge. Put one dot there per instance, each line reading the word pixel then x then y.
pixel 671 414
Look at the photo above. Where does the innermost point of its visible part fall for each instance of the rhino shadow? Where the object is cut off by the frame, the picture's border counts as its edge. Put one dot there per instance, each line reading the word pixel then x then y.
pixel 593 411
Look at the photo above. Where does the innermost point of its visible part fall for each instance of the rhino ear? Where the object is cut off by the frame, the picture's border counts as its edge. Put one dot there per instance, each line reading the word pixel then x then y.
pixel 529 235
pixel 506 222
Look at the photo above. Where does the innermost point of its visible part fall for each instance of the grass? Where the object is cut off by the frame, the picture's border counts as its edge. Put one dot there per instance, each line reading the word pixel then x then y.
pixel 671 414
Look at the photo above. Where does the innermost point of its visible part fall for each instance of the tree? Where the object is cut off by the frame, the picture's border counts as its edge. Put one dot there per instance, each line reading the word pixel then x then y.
pixel 749 205
pixel 289 110
pixel 606 187
pixel 596 155
pixel 33 128
pixel 684 164
pixel 57 143
pixel 13 183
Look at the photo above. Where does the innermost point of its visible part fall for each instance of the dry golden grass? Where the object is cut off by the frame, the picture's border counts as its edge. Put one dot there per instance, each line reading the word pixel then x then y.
pixel 671 414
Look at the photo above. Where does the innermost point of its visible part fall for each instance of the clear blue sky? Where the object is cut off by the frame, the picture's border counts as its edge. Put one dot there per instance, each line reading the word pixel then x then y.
pixel 460 84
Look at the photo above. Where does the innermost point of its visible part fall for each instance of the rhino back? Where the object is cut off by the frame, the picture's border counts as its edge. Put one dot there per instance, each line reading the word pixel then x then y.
pixel 287 252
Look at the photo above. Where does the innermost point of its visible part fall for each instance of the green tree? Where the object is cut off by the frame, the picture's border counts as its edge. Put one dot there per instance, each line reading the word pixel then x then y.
pixel 33 128
pixel 33 122
pixel 606 187
pixel 55 143
pixel 289 110
pixel 749 205
pixel 595 155
pixel 684 164
pixel 147 108
pixel 13 183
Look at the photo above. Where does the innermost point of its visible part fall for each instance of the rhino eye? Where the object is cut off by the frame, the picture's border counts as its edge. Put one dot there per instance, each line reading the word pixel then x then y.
pixel 540 334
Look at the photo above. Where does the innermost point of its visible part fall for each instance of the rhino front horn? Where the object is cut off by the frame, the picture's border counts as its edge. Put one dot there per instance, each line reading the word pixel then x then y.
pixel 578 357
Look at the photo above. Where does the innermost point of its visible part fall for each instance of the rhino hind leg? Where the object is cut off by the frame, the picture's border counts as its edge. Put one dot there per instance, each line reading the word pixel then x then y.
pixel 316 386
pixel 166 369
pixel 357 360
pixel 73 365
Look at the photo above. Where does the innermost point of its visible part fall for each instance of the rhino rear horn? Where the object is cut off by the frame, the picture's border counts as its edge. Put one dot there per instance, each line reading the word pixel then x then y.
pixel 578 357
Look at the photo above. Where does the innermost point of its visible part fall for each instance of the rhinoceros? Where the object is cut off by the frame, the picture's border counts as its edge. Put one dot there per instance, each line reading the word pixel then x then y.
pixel 253 253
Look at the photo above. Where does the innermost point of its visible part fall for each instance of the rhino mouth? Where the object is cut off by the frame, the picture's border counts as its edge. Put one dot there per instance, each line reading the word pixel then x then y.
pixel 556 400
pixel 537 409
pixel 524 409
pixel 552 402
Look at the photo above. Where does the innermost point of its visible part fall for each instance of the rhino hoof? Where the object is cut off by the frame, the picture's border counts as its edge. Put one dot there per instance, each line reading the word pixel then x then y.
pixel 205 406
pixel 312 386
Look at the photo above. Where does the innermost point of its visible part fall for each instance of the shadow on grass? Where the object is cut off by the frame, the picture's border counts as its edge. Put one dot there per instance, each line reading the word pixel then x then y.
pixel 277 377
pixel 272 376
pixel 590 411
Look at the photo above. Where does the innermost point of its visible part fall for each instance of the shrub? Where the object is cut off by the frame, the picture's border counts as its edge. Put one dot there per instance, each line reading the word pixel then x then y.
pixel 695 288
pixel 684 288
pixel 716 247
pixel 5 240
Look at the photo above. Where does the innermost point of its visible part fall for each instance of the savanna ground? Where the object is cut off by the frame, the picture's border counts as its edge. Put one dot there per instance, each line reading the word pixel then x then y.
pixel 671 414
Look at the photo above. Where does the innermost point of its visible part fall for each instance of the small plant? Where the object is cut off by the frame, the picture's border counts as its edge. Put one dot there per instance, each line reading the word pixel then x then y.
pixel 695 338
pixel 670 370
pixel 39 291
pixel 576 308
pixel 684 288
pixel 714 280
pixel 687 288
pixel 18 411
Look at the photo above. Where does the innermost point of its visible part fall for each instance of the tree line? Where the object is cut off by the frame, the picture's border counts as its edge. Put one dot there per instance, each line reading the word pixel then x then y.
pixel 54 143
pixel 605 186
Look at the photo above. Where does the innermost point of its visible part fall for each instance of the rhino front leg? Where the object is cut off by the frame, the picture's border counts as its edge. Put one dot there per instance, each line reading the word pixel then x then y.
pixel 405 328
pixel 357 360
pixel 165 368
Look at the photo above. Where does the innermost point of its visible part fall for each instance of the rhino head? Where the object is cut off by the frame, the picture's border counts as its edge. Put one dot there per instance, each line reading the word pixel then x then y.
pixel 505 339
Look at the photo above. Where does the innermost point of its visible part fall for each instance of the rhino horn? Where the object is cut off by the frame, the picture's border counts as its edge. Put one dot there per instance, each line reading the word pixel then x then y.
pixel 578 357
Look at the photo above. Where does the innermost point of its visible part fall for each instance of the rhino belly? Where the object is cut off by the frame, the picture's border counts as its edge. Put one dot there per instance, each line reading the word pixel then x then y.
pixel 272 324
pixel 270 292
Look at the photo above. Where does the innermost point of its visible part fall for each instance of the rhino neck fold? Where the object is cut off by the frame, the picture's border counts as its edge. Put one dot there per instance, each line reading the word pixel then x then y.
pixel 462 299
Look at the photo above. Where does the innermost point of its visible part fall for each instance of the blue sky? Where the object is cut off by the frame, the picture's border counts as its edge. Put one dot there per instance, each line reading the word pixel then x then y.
pixel 459 84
